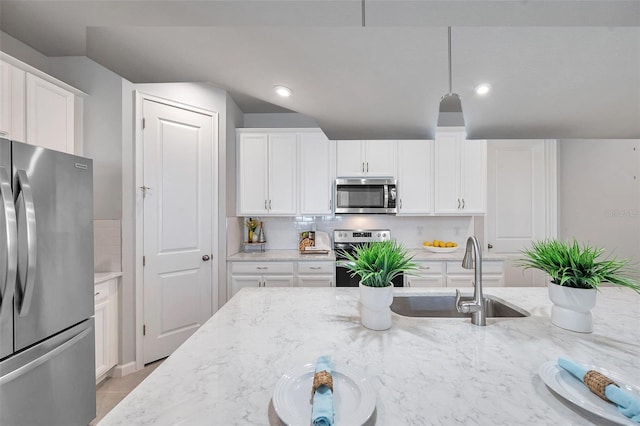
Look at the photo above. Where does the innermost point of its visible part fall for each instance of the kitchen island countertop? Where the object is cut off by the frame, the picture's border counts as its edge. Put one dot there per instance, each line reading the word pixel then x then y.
pixel 424 371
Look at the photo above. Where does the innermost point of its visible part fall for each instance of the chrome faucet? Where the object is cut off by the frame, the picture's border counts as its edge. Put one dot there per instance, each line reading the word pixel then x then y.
pixel 473 260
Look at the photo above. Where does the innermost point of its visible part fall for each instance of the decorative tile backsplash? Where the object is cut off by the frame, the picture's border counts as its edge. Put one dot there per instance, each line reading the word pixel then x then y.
pixel 107 246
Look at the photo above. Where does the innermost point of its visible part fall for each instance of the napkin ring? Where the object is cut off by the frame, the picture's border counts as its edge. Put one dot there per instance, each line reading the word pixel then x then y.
pixel 322 378
pixel 597 383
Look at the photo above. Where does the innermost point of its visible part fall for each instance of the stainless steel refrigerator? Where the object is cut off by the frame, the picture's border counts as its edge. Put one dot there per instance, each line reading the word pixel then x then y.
pixel 47 348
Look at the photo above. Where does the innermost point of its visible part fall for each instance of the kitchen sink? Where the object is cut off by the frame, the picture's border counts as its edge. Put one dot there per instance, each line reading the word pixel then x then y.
pixel 444 306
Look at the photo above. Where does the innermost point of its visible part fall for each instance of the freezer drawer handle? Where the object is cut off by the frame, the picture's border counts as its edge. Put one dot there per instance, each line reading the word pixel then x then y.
pixel 27 277
pixel 45 358
pixel 12 241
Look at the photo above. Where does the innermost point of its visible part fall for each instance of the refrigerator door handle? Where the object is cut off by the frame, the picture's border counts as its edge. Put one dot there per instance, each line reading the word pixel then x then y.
pixel 28 282
pixel 12 240
pixel 44 358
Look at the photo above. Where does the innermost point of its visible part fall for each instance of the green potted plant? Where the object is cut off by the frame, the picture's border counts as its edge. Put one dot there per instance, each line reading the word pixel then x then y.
pixel 376 264
pixel 575 273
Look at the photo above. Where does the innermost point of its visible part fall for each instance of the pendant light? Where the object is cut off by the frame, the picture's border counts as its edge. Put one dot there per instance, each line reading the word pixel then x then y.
pixel 450 105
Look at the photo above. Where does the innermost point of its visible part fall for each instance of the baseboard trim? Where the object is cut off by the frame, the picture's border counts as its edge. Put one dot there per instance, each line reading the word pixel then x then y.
pixel 123 369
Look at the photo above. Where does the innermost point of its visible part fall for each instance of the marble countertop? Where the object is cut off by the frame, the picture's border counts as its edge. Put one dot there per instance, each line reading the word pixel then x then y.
pixel 425 371
pixel 100 277
pixel 281 255
pixel 294 255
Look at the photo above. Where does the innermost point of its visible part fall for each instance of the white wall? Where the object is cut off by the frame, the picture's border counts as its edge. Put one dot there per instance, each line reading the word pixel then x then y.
pixel 599 194
pixel 102 127
pixel 275 120
pixel 24 53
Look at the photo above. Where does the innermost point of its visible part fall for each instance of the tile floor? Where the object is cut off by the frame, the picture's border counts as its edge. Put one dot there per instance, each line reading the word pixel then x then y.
pixel 112 390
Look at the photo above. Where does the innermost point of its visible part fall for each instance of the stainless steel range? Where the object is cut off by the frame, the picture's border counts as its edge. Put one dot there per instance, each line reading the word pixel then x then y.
pixel 347 240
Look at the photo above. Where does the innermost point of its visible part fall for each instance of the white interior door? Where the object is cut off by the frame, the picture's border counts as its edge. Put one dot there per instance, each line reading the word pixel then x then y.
pixel 517 211
pixel 177 145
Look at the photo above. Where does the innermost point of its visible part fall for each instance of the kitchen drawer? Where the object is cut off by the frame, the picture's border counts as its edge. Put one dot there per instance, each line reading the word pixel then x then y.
pixel 430 268
pixel 488 267
pixel 262 267
pixel 316 267
pixel 101 292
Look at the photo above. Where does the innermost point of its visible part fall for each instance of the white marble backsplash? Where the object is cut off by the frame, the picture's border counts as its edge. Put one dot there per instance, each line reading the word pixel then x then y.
pixel 107 246
pixel 282 232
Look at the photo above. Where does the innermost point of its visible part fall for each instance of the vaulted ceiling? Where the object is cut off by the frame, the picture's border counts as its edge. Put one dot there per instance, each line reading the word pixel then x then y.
pixel 371 69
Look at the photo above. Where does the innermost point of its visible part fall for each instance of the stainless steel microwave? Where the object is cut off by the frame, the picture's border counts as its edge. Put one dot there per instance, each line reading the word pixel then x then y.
pixel 366 196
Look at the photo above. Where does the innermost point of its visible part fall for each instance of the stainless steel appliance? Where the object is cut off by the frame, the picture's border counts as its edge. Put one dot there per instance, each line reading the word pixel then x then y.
pixel 47 345
pixel 366 196
pixel 345 240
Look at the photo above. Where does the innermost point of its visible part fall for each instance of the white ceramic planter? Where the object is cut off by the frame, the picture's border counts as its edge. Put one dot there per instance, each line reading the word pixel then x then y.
pixel 375 307
pixel 572 307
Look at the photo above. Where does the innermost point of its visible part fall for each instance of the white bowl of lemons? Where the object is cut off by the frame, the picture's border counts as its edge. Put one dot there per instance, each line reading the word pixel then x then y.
pixel 438 246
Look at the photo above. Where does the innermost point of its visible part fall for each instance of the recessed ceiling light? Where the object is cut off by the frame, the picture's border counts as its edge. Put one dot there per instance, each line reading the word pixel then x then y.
pixel 482 89
pixel 283 91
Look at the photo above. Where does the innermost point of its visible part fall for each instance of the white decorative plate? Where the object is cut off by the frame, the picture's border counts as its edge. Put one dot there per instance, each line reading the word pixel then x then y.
pixel 440 249
pixel 353 397
pixel 573 390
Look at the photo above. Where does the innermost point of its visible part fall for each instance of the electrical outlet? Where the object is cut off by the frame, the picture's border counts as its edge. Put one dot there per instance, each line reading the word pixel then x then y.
pixel 420 231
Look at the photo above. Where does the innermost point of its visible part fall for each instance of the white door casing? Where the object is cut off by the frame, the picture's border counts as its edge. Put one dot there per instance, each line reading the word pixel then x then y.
pixel 520 204
pixel 177 213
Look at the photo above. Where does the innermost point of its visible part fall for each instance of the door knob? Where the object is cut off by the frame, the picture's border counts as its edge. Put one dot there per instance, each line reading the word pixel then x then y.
pixel 205 257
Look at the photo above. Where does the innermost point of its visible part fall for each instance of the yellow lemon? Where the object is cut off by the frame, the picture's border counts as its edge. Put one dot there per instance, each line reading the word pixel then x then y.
pixel 449 244
pixel 427 244
pixel 455 245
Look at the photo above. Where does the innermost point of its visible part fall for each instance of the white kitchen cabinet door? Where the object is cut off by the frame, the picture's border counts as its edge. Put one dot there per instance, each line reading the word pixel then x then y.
pixel 425 281
pixel 277 281
pixel 12 102
pixel 380 158
pixel 315 280
pixel 473 176
pixel 252 174
pixel 239 282
pixel 282 174
pixel 350 159
pixel 447 173
pixel 50 115
pixel 459 281
pixel 101 325
pixel 460 174
pixel 315 174
pixel 415 182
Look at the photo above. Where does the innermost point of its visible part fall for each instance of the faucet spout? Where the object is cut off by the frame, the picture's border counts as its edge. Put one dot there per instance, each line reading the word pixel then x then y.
pixel 473 260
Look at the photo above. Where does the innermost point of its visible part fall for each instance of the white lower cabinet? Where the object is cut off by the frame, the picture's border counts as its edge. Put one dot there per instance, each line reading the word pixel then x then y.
pixel 106 326
pixel 492 274
pixel 316 274
pixel 451 274
pixel 429 274
pixel 259 274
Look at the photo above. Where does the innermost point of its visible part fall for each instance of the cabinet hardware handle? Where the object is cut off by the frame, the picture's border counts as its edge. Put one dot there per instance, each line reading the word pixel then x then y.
pixel 489 246
pixel 314 267
pixel 463 203
pixel 265 204
pixel 408 283
pixel 269 204
pixel 97 294
pixel 425 267
pixel 205 257
pixel 262 267
pixel 400 202
pixel 458 203
pixel 367 166
pixel 363 167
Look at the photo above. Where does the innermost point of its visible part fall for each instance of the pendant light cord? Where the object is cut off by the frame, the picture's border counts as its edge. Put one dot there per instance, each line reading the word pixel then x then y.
pixel 450 84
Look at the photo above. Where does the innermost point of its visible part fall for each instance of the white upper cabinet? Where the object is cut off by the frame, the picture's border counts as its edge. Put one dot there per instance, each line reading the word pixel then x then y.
pixel 50 115
pixel 415 177
pixel 460 174
pixel 12 98
pixel 38 109
pixel 266 173
pixel 316 173
pixel 374 158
